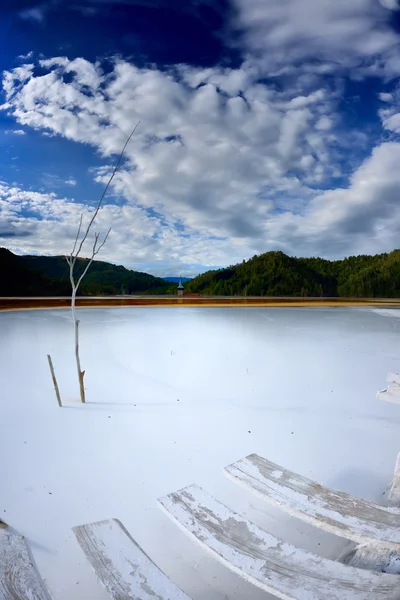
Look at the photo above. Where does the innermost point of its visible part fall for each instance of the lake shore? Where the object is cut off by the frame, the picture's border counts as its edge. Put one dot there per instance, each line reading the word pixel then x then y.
pixel 24 303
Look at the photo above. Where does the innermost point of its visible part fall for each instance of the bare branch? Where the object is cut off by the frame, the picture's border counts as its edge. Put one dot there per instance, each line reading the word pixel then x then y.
pixel 77 235
pixel 123 163
pixel 84 272
pixel 115 170
pixel 71 273
pixel 95 251
pixel 104 241
pixel 72 258
pixel 96 237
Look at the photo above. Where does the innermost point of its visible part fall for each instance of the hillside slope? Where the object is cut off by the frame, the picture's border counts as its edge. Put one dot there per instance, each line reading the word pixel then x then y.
pixel 276 274
pixel 49 276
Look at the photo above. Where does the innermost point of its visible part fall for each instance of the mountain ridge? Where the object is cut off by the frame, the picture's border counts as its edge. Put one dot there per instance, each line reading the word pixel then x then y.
pixel 277 274
pixel 270 274
pixel 30 275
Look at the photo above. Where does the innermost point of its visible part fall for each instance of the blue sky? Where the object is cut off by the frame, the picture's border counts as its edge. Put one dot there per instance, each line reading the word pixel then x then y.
pixel 264 125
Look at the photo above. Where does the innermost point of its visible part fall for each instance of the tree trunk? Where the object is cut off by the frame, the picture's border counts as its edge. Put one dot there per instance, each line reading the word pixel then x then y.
pixel 81 373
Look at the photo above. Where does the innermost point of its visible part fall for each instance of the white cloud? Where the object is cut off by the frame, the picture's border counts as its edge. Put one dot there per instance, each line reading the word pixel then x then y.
pixel 392 122
pixel 15 131
pixel 391 4
pixel 221 167
pixel 15 78
pixel 198 155
pixel 85 72
pixel 390 114
pixel 136 239
pixel 324 123
pixel 26 56
pixel 339 32
pixel 365 218
pixel 385 97
pixel 54 181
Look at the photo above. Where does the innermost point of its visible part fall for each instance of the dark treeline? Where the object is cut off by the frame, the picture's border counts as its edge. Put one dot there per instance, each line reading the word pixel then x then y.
pixel 270 274
pixel 276 274
pixel 49 276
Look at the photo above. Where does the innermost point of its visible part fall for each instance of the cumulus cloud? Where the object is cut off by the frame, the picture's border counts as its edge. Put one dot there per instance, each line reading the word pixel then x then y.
pixel 212 145
pixel 221 167
pixel 137 238
pixel 364 218
pixel 342 33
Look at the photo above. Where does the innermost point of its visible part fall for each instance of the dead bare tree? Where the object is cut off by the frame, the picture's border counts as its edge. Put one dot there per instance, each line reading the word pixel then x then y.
pixel 73 256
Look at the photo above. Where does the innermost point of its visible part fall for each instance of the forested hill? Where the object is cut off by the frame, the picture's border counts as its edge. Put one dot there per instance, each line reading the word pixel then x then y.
pixel 276 274
pixel 49 276
pixel 270 274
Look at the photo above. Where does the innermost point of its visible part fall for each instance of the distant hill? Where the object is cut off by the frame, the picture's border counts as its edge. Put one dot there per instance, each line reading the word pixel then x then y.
pixel 176 279
pixel 276 274
pixel 269 274
pixel 49 276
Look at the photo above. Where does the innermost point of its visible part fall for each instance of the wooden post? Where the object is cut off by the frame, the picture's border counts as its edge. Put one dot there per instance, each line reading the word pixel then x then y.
pixel 53 376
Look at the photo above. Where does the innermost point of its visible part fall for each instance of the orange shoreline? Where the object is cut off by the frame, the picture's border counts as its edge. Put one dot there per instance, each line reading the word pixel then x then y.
pixel 7 304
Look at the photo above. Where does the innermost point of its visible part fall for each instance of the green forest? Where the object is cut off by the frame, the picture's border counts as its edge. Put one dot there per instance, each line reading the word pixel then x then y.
pixel 269 274
pixel 49 276
pixel 276 274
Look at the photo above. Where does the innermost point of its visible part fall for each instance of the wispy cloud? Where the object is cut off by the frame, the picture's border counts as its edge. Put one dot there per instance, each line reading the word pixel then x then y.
pixel 27 56
pixel 54 181
pixel 15 132
pixel 33 14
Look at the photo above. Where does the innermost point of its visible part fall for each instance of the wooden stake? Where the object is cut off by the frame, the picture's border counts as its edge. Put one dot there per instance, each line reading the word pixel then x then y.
pixel 53 376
